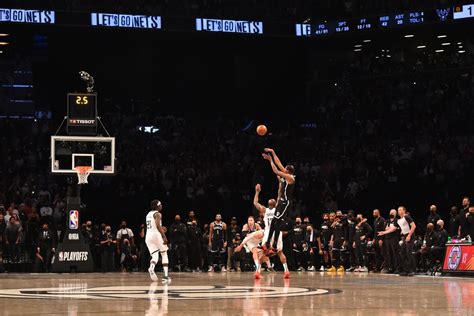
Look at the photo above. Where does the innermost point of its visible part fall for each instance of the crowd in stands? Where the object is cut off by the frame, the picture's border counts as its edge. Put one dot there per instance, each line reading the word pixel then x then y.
pixel 382 132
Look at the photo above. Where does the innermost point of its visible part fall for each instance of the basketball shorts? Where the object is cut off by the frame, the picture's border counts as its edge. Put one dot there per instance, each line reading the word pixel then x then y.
pixel 154 242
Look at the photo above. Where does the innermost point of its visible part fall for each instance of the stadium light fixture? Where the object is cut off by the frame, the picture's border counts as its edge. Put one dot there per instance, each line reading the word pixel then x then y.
pixel 389 56
pixel 459 43
pixel 421 46
pixel 358 45
pixel 439 50
pixel 409 35
pixel 367 41
pixel 442 36
pixel 4 34
pixel 445 44
pixel 461 51
pixel 358 50
pixel 4 43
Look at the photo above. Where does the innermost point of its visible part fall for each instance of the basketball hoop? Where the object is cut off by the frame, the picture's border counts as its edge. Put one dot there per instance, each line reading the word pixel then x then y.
pixel 83 173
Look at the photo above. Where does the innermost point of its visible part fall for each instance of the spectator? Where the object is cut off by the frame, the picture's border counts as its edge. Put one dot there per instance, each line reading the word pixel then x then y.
pixel 125 233
pixel 463 214
pixel 108 244
pixel 45 248
pixel 128 256
pixel 433 218
pixel 454 222
pixel 13 239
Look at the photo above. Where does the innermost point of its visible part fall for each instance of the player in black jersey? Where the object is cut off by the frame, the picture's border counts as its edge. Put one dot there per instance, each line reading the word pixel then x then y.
pixel 217 242
pixel 338 238
pixel 326 233
pixel 285 193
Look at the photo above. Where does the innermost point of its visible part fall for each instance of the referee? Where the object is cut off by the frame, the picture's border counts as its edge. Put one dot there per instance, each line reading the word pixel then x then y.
pixel 407 227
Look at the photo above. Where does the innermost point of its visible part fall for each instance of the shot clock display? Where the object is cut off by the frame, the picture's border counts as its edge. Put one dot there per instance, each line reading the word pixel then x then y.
pixel 81 113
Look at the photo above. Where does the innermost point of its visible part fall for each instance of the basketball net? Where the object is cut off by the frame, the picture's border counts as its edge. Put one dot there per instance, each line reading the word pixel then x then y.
pixel 83 173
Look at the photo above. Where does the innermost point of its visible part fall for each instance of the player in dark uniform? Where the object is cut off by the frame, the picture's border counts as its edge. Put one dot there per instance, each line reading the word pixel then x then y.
pixel 217 242
pixel 285 194
pixel 313 238
pixel 299 244
pixel 326 233
pixel 339 233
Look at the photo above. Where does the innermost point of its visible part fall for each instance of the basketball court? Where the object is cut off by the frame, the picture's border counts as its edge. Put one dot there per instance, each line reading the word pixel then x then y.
pixel 234 294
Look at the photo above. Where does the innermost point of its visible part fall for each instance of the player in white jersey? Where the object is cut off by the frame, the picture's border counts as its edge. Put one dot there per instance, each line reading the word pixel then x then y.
pixel 156 241
pixel 267 219
pixel 268 212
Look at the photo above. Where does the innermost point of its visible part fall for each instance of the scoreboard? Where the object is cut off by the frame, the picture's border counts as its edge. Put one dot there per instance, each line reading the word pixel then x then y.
pixel 81 113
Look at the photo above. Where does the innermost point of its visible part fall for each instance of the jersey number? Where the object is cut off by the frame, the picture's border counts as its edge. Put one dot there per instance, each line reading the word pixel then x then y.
pixel 148 225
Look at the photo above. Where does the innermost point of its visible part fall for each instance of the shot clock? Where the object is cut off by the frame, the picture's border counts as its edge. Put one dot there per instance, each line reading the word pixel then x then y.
pixel 81 113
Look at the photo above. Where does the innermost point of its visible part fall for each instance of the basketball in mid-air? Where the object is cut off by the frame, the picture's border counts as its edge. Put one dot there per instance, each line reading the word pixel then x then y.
pixel 261 130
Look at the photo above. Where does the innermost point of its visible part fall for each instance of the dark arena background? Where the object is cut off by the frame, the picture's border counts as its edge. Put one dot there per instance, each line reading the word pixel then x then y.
pixel 141 141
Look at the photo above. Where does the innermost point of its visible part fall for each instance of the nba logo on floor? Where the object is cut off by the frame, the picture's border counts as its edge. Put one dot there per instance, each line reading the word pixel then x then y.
pixel 74 219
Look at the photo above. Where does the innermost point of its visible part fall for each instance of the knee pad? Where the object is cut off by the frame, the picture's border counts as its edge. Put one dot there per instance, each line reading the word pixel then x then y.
pixel 164 258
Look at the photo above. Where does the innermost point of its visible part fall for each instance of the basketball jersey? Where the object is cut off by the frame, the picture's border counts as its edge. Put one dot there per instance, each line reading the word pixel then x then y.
pixel 217 231
pixel 267 218
pixel 286 189
pixel 151 223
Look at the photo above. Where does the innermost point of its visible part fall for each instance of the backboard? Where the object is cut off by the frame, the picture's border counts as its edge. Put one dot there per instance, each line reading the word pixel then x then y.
pixel 68 152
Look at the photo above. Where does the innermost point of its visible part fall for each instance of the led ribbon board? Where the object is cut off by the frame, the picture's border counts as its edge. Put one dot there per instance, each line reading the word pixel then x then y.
pixel 126 20
pixel 229 26
pixel 361 24
pixel 27 16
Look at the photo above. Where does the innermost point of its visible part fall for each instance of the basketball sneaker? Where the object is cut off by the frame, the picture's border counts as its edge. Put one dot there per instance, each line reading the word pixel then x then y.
pixel 166 280
pixel 211 269
pixel 311 268
pixel 332 269
pixel 286 275
pixel 223 269
pixel 322 269
pixel 341 269
pixel 257 275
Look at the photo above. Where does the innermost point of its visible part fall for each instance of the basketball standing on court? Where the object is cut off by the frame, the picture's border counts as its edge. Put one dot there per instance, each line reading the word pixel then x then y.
pixel 156 241
pixel 285 194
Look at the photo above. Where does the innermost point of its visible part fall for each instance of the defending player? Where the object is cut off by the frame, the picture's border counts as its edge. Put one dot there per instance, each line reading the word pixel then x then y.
pixel 252 242
pixel 268 212
pixel 156 241
pixel 285 194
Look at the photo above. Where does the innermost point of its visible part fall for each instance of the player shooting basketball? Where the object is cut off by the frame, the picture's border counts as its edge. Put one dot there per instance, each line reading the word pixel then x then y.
pixel 285 193
pixel 269 213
